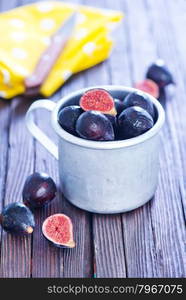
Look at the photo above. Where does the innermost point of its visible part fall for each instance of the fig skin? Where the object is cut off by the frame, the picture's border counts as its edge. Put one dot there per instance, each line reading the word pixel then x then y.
pixel 134 121
pixel 16 218
pixel 119 105
pixel 68 116
pixel 113 121
pixel 55 227
pixel 39 189
pixel 139 99
pixel 93 125
pixel 159 73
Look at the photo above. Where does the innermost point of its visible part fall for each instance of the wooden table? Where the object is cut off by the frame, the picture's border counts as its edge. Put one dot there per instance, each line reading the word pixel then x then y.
pixel 147 242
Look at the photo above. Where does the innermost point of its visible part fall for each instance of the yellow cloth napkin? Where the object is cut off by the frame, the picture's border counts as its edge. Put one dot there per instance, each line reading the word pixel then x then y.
pixel 25 33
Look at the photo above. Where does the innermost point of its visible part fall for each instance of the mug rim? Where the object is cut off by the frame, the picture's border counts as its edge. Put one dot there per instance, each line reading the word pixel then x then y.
pixel 107 144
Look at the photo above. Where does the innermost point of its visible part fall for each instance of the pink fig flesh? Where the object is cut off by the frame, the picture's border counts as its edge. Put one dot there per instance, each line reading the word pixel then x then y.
pixel 148 86
pixel 98 100
pixel 58 229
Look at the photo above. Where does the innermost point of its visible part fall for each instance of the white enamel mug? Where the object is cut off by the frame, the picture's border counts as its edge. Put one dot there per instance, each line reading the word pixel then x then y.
pixel 103 177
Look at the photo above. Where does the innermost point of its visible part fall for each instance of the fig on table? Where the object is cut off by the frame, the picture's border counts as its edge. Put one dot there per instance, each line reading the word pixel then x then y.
pixel 58 229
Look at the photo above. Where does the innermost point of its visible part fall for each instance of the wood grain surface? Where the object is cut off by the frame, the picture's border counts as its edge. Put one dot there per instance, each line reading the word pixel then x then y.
pixel 147 242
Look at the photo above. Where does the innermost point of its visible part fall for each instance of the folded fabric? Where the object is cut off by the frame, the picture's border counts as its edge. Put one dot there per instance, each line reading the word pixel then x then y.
pixel 25 33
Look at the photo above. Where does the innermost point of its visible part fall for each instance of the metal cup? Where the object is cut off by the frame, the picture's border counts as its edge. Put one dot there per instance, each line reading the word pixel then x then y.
pixel 103 177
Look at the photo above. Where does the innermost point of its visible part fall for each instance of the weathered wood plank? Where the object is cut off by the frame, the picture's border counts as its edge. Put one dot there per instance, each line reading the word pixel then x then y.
pixel 4 128
pixel 60 263
pixel 45 257
pixel 16 251
pixel 149 242
pixel 81 267
pixel 131 221
pixel 176 21
pixel 4 123
pixel 4 131
pixel 66 263
pixel 77 262
pixel 107 231
pixel 108 246
pixel 137 224
pixel 139 51
pixel 175 151
pixel 109 255
pixel 151 229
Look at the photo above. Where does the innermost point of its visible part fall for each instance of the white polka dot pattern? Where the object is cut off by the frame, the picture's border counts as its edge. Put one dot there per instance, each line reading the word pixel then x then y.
pixel 47 24
pixel 81 33
pixel 89 48
pixel 2 94
pixel 21 70
pixel 18 36
pixel 28 30
pixel 81 18
pixel 6 76
pixel 17 23
pixel 19 53
pixel 46 40
pixel 66 74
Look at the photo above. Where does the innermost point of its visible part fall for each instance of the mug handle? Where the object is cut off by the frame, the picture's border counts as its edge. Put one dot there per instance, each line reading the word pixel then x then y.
pixel 36 131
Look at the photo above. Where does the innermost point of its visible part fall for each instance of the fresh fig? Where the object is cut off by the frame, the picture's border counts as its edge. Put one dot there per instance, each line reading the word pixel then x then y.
pixel 68 116
pixel 134 121
pixel 58 229
pixel 119 106
pixel 93 125
pixel 159 73
pixel 148 86
pixel 39 189
pixel 16 218
pixel 140 99
pixel 98 100
pixel 113 120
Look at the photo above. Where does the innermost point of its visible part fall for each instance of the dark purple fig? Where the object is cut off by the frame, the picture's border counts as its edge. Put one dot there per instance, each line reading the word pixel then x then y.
pixel 159 73
pixel 58 229
pixel 16 218
pixel 119 106
pixel 113 120
pixel 68 116
pixel 139 99
pixel 93 125
pixel 39 189
pixel 134 121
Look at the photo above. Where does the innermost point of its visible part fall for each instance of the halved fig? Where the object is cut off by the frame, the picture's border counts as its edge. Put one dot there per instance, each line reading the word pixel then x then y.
pixel 58 229
pixel 148 86
pixel 98 100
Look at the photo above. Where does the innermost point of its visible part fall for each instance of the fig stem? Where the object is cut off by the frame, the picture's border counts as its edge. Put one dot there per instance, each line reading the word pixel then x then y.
pixel 71 244
pixel 111 112
pixel 29 229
